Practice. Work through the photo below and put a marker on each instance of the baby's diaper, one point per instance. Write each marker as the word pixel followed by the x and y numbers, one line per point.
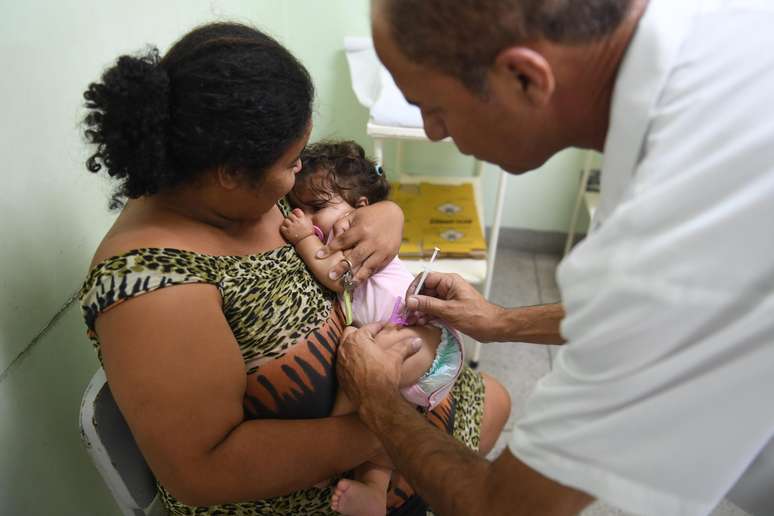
pixel 437 382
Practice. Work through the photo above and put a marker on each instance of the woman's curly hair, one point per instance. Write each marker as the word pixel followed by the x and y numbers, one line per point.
pixel 225 95
pixel 346 171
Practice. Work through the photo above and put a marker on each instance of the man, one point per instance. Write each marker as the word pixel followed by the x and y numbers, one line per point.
pixel 660 400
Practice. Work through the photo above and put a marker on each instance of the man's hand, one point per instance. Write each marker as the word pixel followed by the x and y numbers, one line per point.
pixel 370 360
pixel 451 298
pixel 369 237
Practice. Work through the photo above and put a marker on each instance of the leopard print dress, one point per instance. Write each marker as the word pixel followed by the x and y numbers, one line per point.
pixel 287 327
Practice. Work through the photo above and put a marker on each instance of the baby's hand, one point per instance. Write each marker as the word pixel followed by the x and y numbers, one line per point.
pixel 296 227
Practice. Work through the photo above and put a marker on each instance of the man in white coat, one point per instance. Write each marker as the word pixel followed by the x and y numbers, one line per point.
pixel 662 396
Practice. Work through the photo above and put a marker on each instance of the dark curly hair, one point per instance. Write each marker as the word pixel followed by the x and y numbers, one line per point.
pixel 225 95
pixel 462 38
pixel 347 171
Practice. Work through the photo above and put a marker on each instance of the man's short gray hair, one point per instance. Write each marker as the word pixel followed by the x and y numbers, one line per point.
pixel 462 38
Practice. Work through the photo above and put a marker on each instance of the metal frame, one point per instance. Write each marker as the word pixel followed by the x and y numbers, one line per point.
pixel 380 133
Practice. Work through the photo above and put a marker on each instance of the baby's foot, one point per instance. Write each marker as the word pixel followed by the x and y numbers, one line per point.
pixel 353 498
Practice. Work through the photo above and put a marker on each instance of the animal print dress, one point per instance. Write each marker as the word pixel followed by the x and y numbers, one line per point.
pixel 288 328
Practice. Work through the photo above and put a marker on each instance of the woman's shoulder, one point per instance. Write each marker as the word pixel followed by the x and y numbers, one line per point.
pixel 123 242
pixel 150 250
pixel 141 254
pixel 140 228
pixel 132 261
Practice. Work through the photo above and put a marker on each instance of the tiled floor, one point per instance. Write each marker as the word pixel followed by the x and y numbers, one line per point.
pixel 528 279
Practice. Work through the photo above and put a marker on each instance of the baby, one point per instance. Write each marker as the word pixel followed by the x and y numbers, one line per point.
pixel 335 179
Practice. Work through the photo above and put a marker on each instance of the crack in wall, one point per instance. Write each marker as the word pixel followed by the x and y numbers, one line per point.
pixel 24 353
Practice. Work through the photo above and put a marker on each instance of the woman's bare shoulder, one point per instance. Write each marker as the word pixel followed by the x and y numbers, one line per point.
pixel 141 226
pixel 129 233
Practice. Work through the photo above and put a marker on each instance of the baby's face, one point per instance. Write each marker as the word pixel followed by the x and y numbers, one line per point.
pixel 323 211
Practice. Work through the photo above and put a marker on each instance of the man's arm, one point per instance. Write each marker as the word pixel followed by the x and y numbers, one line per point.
pixel 537 324
pixel 456 481
pixel 454 300
pixel 453 479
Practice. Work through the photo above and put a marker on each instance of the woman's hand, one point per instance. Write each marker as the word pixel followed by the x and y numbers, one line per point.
pixel 369 237
pixel 456 302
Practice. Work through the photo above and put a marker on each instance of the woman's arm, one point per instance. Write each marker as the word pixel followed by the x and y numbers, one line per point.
pixel 178 377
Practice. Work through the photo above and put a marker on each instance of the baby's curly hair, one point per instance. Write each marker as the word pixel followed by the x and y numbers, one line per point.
pixel 225 95
pixel 347 170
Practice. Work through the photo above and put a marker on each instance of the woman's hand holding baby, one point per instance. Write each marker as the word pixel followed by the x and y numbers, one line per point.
pixel 296 227
pixel 370 238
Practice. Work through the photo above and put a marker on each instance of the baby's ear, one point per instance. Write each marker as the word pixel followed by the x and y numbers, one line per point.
pixel 361 202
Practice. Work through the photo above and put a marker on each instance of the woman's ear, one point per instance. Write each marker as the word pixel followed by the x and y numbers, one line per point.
pixel 523 71
pixel 361 202
pixel 227 178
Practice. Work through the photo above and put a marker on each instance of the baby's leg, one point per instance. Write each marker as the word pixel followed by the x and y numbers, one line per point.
pixel 366 495
pixel 413 368
pixel 417 365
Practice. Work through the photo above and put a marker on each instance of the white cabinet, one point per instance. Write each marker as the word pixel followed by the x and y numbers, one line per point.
pixel 476 271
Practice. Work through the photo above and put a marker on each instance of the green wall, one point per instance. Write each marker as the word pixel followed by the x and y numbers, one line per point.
pixel 53 213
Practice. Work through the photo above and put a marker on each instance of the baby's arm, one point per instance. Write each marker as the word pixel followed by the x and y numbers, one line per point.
pixel 297 229
pixel 413 368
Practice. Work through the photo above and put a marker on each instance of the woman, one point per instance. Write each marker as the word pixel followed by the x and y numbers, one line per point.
pixel 217 342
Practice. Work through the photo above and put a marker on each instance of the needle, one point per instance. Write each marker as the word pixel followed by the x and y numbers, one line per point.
pixel 425 271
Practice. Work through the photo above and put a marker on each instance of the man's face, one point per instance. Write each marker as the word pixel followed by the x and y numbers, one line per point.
pixel 506 130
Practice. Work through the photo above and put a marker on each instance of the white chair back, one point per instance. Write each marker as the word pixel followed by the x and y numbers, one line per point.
pixel 110 444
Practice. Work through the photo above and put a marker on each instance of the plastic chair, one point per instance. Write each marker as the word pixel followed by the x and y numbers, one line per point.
pixel 111 446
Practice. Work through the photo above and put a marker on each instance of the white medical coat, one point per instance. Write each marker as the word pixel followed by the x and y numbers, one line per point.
pixel 664 393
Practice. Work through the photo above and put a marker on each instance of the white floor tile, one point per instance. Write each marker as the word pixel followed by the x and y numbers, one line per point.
pixel 725 508
pixel 518 367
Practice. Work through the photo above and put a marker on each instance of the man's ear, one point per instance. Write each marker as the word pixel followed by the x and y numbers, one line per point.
pixel 361 202
pixel 523 70
pixel 228 178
